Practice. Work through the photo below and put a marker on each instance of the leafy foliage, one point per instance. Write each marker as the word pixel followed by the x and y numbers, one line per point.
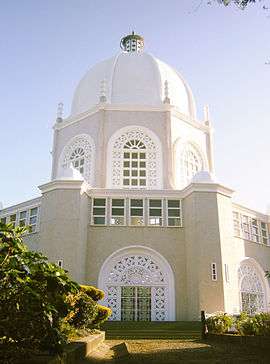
pixel 219 323
pixel 253 325
pixel 103 314
pixel 39 303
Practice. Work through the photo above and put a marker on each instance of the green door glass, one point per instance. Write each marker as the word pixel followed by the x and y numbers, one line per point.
pixel 135 303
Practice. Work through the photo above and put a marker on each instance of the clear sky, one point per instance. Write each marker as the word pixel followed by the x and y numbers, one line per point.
pixel 47 46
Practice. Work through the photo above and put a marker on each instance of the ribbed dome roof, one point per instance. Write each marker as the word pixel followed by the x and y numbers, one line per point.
pixel 134 78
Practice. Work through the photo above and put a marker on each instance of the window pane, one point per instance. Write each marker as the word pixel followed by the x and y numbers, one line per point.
pixel 99 220
pixel 118 202
pixel 136 221
pixel 126 173
pixel 34 211
pixel 3 220
pixel 142 182
pixel 23 215
pixel 155 203
pixel 173 203
pixel 12 217
pixel 117 221
pixel 98 211
pixel 136 212
pixel 134 182
pixel 117 212
pixel 99 201
pixel 174 221
pixel 136 203
pixel 155 212
pixel 33 220
pixel 173 212
pixel 126 182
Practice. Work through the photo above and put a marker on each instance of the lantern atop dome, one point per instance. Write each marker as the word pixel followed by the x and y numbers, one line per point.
pixel 132 43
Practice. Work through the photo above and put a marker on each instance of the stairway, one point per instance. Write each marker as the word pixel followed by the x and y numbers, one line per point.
pixel 121 330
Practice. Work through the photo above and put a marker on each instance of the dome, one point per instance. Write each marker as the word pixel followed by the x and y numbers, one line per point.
pixel 134 78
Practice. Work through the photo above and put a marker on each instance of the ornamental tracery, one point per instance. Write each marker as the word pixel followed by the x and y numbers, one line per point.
pixel 137 270
pixel 252 295
pixel 79 153
pixel 135 160
pixel 191 162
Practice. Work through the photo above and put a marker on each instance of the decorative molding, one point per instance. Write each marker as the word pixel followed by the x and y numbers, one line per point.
pixel 82 146
pixel 61 185
pixel 151 147
pixel 139 266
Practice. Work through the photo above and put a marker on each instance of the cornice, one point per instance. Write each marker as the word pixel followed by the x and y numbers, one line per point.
pixel 131 108
pixel 208 187
pixel 22 205
pixel 247 210
pixel 61 185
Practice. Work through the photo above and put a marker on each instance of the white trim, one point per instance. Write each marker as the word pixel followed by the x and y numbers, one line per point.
pixel 160 261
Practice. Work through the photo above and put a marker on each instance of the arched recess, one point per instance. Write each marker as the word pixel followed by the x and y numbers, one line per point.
pixel 254 290
pixel 138 266
pixel 188 160
pixel 80 153
pixel 134 159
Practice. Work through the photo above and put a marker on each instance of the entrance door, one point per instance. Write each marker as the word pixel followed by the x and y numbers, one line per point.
pixel 135 303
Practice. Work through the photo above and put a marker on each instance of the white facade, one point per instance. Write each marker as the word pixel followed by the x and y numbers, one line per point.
pixel 133 205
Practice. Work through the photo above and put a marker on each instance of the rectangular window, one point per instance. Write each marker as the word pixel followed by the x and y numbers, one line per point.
pixel 255 235
pixel 246 227
pixel 33 216
pixel 174 213
pixel 227 277
pixel 264 233
pixel 60 263
pixel 117 211
pixel 236 223
pixel 99 211
pixel 136 212
pixel 3 220
pixel 155 213
pixel 12 219
pixel 214 271
pixel 22 218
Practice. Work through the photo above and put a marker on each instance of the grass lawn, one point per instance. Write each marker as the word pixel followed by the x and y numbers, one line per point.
pixel 168 343
pixel 174 352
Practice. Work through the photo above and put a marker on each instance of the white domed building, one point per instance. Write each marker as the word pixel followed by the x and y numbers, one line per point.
pixel 133 205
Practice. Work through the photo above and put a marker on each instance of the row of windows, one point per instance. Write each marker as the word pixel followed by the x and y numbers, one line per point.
pixel 136 212
pixel 23 218
pixel 250 228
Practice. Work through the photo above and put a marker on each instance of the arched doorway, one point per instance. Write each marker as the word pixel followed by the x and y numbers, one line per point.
pixel 253 287
pixel 139 285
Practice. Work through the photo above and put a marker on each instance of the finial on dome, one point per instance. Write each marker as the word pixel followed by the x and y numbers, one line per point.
pixel 60 109
pixel 102 96
pixel 166 93
pixel 132 43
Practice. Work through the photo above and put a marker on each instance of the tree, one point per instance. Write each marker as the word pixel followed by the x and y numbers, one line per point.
pixel 38 300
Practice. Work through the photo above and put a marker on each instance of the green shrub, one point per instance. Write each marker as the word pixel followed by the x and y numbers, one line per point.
pixel 219 323
pixel 93 292
pixel 247 325
pixel 103 314
pixel 39 303
pixel 263 321
pixel 83 310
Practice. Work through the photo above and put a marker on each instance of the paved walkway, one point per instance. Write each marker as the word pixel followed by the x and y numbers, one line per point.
pixel 173 352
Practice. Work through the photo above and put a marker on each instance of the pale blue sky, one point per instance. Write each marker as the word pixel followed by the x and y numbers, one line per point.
pixel 47 46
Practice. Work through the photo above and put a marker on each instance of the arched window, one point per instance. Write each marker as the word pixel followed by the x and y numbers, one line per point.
pixel 135 160
pixel 77 159
pixel 79 152
pixel 190 162
pixel 138 285
pixel 134 164
pixel 252 293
